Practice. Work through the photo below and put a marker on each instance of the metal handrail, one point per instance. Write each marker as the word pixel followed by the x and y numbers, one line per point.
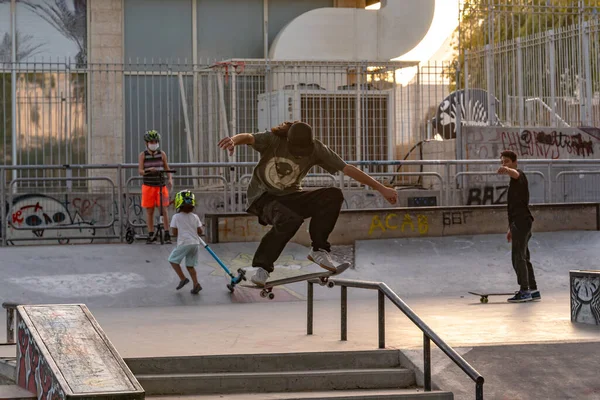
pixel 10 322
pixel 428 334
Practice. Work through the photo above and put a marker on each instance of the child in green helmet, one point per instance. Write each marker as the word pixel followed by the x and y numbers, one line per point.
pixel 186 226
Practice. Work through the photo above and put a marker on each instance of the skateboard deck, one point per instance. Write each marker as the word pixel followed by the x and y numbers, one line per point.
pixel 484 296
pixel 267 289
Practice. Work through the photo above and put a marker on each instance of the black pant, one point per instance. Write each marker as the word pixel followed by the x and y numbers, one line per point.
pixel 521 233
pixel 287 213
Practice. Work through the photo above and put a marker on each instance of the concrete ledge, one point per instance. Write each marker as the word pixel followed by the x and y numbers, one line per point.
pixel 388 223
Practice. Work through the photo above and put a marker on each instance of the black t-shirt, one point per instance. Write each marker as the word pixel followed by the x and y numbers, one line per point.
pixel 518 199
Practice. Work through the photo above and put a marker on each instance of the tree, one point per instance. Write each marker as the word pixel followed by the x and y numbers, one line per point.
pixel 500 22
pixel 72 24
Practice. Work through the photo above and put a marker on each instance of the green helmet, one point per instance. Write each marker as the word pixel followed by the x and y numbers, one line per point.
pixel 184 197
pixel 151 136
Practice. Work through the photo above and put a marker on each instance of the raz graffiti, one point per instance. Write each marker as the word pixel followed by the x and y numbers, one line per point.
pixel 418 223
pixel 488 195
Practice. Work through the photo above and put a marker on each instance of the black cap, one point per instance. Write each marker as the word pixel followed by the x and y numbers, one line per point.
pixel 300 139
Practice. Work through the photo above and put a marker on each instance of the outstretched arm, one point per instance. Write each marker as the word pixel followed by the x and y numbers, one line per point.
pixel 388 193
pixel 229 143
pixel 513 173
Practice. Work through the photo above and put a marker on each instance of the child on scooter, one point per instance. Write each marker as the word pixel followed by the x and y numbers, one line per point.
pixel 187 227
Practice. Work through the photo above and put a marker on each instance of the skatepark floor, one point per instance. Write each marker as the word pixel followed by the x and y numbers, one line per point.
pixel 525 351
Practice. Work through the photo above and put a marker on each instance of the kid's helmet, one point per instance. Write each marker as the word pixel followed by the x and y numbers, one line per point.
pixel 184 197
pixel 151 136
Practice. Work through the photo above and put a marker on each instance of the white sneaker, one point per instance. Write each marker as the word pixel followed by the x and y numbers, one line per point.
pixel 260 277
pixel 323 259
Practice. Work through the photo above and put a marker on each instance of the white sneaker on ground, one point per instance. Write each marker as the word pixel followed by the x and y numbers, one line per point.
pixel 260 277
pixel 323 259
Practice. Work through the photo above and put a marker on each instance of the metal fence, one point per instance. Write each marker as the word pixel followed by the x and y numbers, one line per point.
pixel 82 206
pixel 57 112
pixel 539 60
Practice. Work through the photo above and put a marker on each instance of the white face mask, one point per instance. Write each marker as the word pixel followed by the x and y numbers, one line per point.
pixel 153 147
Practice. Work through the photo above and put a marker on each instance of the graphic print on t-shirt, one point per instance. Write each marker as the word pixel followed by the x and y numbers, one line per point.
pixel 281 172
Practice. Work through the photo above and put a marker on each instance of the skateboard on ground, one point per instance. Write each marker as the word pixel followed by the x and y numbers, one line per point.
pixel 484 296
pixel 267 289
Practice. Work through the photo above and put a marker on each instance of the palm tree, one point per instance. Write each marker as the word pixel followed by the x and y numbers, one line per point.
pixel 24 48
pixel 72 24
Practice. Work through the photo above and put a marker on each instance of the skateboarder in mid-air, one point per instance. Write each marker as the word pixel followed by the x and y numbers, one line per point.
pixel 275 196
pixel 520 222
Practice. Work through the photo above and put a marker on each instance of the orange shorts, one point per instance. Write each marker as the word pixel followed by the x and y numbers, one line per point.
pixel 150 197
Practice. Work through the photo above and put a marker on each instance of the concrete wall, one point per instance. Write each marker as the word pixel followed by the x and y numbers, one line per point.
pixel 412 222
pixel 532 143
pixel 438 150
pixel 106 110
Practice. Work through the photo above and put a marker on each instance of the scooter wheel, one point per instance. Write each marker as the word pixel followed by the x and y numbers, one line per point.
pixel 129 236
pixel 231 288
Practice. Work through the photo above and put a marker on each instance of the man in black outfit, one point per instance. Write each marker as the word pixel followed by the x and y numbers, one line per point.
pixel 520 222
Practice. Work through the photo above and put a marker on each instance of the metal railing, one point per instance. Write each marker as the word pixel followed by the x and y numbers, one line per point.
pixel 10 322
pixel 85 203
pixel 429 335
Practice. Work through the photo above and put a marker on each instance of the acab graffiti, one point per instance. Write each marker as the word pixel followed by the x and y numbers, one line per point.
pixel 390 222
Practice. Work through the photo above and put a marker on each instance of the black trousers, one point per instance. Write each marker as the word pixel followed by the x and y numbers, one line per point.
pixel 287 213
pixel 521 233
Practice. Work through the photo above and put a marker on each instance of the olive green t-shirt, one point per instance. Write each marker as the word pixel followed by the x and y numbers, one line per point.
pixel 278 172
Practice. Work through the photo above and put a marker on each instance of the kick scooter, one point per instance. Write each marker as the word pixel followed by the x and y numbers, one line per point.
pixel 234 279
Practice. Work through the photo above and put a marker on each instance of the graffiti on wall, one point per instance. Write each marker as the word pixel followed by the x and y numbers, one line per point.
pixel 30 216
pixel 487 195
pixel 585 299
pixel 551 144
pixel 33 372
pixel 391 221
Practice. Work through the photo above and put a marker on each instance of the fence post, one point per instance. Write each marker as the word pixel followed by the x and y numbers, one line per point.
pixel 344 313
pixel 426 363
pixel 520 83
pixel 489 58
pixel 458 120
pixel 552 66
pixel 309 310
pixel 381 315
pixel 586 100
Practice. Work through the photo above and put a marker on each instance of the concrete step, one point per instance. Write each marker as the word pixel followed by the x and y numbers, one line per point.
pixel 390 394
pixel 251 382
pixel 276 362
pixel 14 392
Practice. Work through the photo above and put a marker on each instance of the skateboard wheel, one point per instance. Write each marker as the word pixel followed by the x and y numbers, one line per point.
pixel 330 284
pixel 231 288
pixel 271 296
pixel 263 293
pixel 484 299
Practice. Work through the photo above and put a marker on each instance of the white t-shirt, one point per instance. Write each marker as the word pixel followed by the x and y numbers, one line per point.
pixel 187 225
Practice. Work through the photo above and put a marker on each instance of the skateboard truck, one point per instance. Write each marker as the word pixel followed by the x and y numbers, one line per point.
pixel 241 276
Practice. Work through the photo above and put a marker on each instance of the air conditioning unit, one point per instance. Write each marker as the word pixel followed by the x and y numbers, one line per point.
pixel 340 118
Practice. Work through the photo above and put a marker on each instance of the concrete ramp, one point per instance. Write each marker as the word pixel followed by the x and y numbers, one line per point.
pixel 454 265
pixel 63 353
